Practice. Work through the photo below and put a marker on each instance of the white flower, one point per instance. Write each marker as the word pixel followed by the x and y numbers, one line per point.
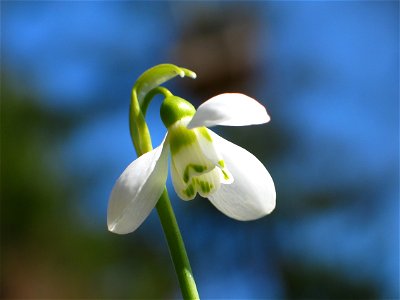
pixel 233 179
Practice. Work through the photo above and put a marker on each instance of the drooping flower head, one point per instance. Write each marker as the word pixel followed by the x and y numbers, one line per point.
pixel 202 162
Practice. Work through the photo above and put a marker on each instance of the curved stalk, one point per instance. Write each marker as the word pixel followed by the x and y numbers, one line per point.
pixel 142 143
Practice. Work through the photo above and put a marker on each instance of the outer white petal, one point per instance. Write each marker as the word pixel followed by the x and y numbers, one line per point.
pixel 137 190
pixel 252 195
pixel 230 109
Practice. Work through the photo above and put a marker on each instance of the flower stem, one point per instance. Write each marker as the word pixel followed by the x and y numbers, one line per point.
pixel 150 95
pixel 176 247
pixel 142 143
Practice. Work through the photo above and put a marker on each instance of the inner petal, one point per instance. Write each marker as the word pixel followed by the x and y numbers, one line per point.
pixel 196 166
pixel 206 184
pixel 181 188
pixel 189 158
pixel 210 150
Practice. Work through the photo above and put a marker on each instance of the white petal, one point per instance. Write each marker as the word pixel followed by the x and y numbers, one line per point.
pixel 209 150
pixel 252 195
pixel 230 109
pixel 137 190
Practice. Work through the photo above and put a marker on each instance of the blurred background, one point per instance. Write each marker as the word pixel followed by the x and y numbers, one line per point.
pixel 328 74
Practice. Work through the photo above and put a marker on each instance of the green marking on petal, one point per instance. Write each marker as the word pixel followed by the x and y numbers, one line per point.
pixel 205 186
pixel 189 192
pixel 199 168
pixel 196 168
pixel 226 176
pixel 204 132
pixel 221 163
pixel 179 137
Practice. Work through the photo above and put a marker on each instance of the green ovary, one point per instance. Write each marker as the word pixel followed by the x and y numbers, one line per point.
pixel 174 109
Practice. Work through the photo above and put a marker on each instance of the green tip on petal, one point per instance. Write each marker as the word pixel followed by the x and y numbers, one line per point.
pixel 174 109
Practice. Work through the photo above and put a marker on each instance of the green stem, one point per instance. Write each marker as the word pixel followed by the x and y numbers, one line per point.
pixel 142 142
pixel 176 247
pixel 158 90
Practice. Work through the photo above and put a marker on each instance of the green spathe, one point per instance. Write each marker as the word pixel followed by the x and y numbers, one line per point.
pixel 156 76
pixel 174 109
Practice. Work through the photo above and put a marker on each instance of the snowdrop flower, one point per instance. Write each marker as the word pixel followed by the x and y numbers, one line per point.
pixel 202 162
